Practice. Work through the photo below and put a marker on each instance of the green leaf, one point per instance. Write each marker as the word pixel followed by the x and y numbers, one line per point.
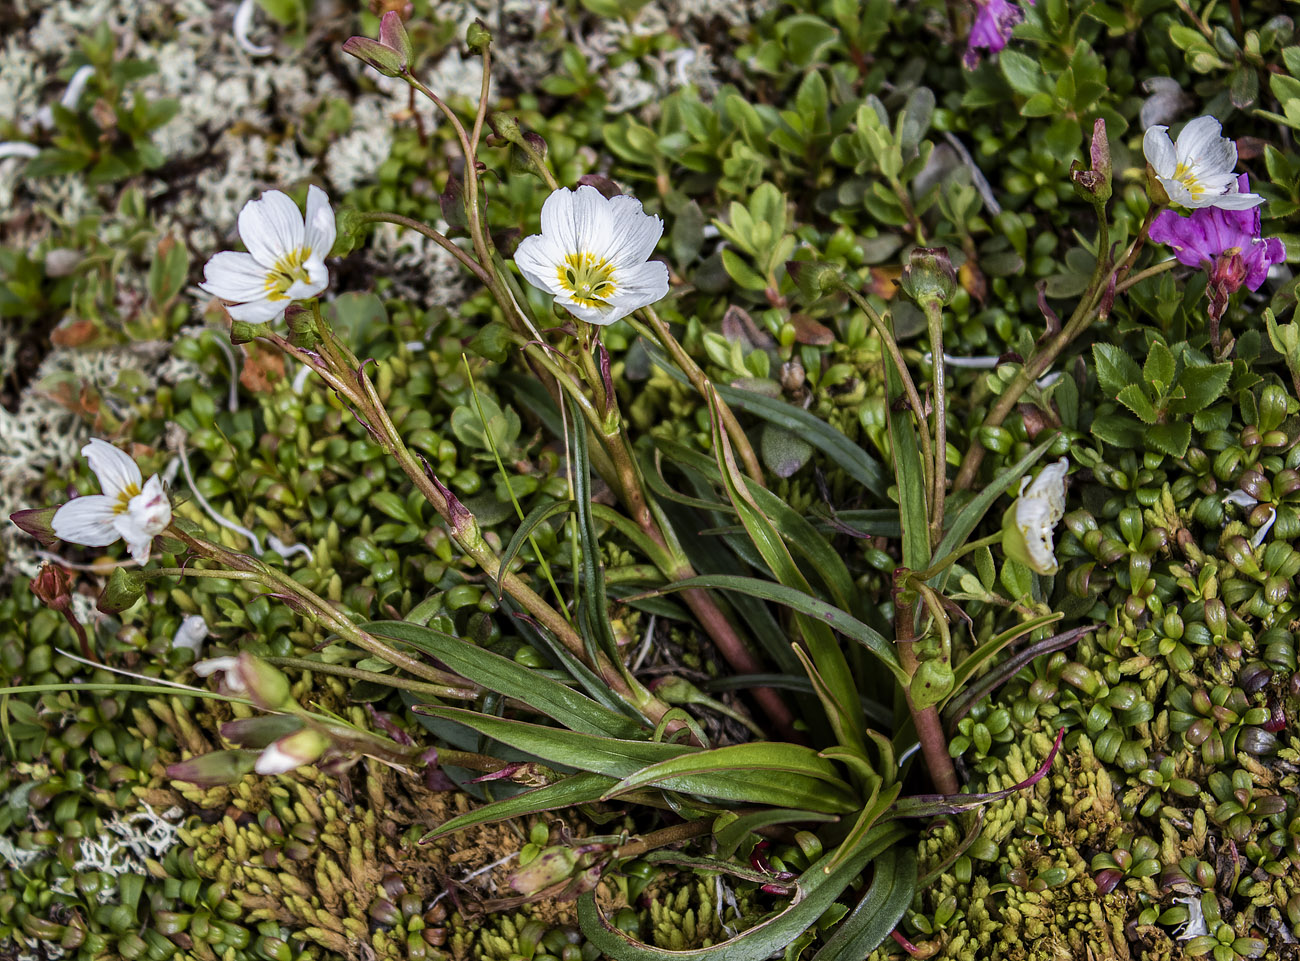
pixel 739 271
pixel 168 271
pixel 1203 386
pixel 729 836
pixel 1172 439
pixel 1022 72
pixel 1133 397
pixel 505 676
pixel 1158 371
pixel 779 757
pixel 620 759
pixel 1115 368
pixel 816 890
pixel 572 790
pixel 909 473
pixel 1118 430
pixel 844 713
pixel 848 456
pixel 841 621
pixel 893 884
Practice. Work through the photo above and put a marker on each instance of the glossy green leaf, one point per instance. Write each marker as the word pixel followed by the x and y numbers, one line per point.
pixel 893 884
pixel 575 789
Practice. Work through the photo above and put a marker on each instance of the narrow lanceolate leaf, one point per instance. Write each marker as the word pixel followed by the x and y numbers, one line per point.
pixel 535 519
pixel 931 805
pixel 800 536
pixel 593 614
pixel 804 603
pixel 574 789
pixel 985 653
pixel 621 759
pixel 562 704
pixel 815 891
pixel 730 835
pixel 875 808
pixel 893 883
pixel 909 473
pixel 848 456
pixel 843 708
pixel 770 761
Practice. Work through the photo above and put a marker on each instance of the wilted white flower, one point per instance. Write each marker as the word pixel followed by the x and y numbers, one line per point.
pixel 1198 170
pixel 593 255
pixel 291 752
pixel 129 508
pixel 285 260
pixel 243 24
pixel 227 666
pixel 1029 523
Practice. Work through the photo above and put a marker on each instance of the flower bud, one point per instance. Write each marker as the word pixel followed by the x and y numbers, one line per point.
pixel 266 686
pixel 292 752
pixel 38 522
pixel 814 278
pixel 1094 184
pixel 215 769
pixel 242 332
pixel 52 587
pixel 124 589
pixel 392 34
pixel 477 37
pixel 929 277
pixel 373 53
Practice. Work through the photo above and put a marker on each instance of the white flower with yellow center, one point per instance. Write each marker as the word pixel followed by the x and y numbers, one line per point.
pixel 593 255
pixel 285 260
pixel 1029 523
pixel 1198 171
pixel 129 508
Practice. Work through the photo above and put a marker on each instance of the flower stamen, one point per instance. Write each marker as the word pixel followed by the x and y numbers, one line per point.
pixel 589 279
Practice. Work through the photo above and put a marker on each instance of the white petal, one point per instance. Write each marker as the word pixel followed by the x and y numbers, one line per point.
pixel 1202 142
pixel 86 520
pixel 243 21
pixel 274 761
pixel 214 664
pixel 192 633
pixel 320 228
pixel 234 276
pixel 1235 201
pixel 151 509
pixel 593 221
pixel 638 287
pixel 318 278
pixel 1049 486
pixel 538 258
pixel 271 227
pixel 113 466
pixel 557 220
pixel 1179 194
pixel 1159 151
pixel 633 232
pixel 600 316
pixel 258 311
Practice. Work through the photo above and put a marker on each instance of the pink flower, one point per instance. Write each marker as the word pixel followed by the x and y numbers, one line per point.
pixel 992 28
pixel 1226 242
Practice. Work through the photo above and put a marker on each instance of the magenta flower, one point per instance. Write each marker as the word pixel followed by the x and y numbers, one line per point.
pixel 1226 243
pixel 993 25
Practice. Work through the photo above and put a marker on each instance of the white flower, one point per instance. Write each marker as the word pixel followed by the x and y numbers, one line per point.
pixel 229 666
pixel 291 752
pixel 1028 525
pixel 285 260
pixel 191 634
pixel 129 508
pixel 243 24
pixel 593 255
pixel 1198 171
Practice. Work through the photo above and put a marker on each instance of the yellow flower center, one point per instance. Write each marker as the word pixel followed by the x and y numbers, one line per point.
pixel 288 270
pixel 1185 173
pixel 588 279
pixel 124 498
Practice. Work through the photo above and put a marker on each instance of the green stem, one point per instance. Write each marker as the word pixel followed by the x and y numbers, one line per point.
pixel 946 562
pixel 909 386
pixel 388 680
pixel 929 728
pixel 934 320
pixel 472 265
pixel 699 380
